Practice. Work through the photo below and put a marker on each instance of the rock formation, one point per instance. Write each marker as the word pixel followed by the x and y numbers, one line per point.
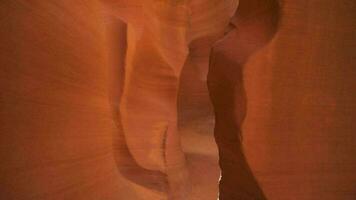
pixel 118 99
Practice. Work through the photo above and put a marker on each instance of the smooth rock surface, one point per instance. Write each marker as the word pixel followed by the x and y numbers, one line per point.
pixel 146 99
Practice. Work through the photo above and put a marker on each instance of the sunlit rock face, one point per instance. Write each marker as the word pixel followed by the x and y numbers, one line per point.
pixel 161 99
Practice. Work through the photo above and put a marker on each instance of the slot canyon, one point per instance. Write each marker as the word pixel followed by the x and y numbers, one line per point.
pixel 177 100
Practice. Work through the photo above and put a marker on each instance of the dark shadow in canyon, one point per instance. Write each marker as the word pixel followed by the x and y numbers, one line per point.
pixel 255 24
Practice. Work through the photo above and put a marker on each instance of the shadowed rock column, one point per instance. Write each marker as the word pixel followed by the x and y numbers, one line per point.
pixel 255 23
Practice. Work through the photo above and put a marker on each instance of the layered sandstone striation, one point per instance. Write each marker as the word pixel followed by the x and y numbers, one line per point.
pixel 151 99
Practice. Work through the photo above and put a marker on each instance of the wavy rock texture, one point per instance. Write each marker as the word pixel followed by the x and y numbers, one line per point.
pixel 116 99
pixel 299 135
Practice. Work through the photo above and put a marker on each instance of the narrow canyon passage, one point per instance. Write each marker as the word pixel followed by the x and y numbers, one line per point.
pixel 153 76
pixel 155 99
pixel 196 128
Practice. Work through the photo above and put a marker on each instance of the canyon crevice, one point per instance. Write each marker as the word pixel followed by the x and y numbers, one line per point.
pixel 156 99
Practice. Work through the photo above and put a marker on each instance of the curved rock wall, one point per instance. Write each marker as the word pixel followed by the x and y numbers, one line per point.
pixel 109 99
pixel 299 135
